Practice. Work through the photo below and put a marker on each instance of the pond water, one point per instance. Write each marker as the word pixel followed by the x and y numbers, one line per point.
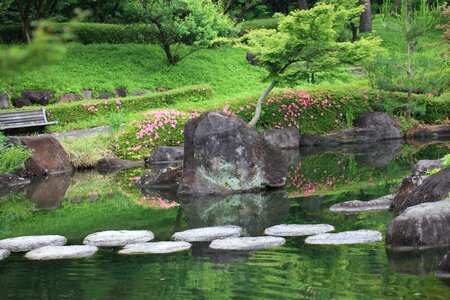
pixel 77 205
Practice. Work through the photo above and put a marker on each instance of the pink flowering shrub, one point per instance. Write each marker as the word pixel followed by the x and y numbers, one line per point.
pixel 157 128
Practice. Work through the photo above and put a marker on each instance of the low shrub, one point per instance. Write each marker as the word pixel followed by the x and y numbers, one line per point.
pixel 12 157
pixel 268 23
pixel 76 111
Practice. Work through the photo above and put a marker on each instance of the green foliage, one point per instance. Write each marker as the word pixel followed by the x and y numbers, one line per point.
pixel 12 157
pixel 268 23
pixel 15 207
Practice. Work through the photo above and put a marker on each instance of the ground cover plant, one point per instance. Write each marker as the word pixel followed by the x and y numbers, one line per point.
pixel 12 157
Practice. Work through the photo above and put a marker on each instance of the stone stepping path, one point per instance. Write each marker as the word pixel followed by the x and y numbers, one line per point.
pixel 247 243
pixel 155 248
pixel 355 206
pixel 116 238
pixel 298 229
pixel 4 253
pixel 345 238
pixel 27 243
pixel 208 234
pixel 61 252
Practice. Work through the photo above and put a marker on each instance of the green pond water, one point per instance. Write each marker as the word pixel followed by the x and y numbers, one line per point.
pixel 77 205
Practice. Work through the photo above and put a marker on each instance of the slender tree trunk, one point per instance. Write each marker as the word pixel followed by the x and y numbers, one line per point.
pixel 170 59
pixel 27 31
pixel 365 20
pixel 302 4
pixel 259 104
pixel 408 73
pixel 354 32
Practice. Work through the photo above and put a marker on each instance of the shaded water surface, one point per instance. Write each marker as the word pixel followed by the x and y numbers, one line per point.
pixel 88 202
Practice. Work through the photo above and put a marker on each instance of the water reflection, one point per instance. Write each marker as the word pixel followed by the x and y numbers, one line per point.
pixel 48 192
pixel 416 262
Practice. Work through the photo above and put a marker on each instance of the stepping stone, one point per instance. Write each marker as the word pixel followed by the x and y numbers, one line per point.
pixel 61 252
pixel 27 243
pixel 208 234
pixel 4 253
pixel 115 238
pixel 298 229
pixel 247 243
pixel 355 206
pixel 155 248
pixel 345 238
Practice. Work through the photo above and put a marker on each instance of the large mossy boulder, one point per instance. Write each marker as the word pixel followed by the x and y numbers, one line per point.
pixel 433 188
pixel 421 226
pixel 223 155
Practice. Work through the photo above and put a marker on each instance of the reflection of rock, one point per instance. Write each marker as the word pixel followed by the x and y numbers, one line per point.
pixel 415 262
pixel 47 192
pixel 221 257
pixel 291 157
pixel 253 212
pixel 11 182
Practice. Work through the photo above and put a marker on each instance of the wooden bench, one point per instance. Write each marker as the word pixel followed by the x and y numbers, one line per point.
pixel 24 119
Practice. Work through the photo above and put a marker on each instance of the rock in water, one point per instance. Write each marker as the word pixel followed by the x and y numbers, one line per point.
pixel 61 252
pixel 208 234
pixel 286 138
pixel 155 248
pixel 4 253
pixel 354 206
pixel 167 178
pixel 298 229
pixel 433 188
pixel 115 238
pixel 247 243
pixel 345 238
pixel 109 165
pixel 421 226
pixel 166 154
pixel 27 243
pixel 223 155
pixel 443 270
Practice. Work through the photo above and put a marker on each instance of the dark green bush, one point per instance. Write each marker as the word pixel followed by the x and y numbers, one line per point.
pixel 77 111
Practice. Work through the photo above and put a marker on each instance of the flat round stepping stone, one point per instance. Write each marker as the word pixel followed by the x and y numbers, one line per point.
pixel 298 229
pixel 247 243
pixel 116 238
pixel 155 248
pixel 61 252
pixel 354 206
pixel 4 253
pixel 345 238
pixel 27 243
pixel 208 234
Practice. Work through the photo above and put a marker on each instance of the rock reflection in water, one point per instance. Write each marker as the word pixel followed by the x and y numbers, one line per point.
pixel 416 262
pixel 221 257
pixel 47 192
pixel 253 212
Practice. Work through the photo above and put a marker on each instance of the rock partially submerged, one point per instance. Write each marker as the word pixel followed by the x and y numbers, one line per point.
pixel 61 252
pixel 286 138
pixel 345 238
pixel 108 165
pixel 208 234
pixel 443 271
pixel 422 166
pixel 166 178
pixel 27 243
pixel 354 206
pixel 166 154
pixel 4 253
pixel 155 248
pixel 247 243
pixel 421 226
pixel 433 188
pixel 115 238
pixel 298 229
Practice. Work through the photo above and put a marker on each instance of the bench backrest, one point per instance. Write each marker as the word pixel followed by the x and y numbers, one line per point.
pixel 25 118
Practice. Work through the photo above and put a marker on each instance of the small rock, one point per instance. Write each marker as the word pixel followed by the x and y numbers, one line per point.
pixel 345 238
pixel 155 248
pixel 166 154
pixel 27 243
pixel 298 229
pixel 422 166
pixel 67 98
pixel 105 96
pixel 121 92
pixel 167 178
pixel 252 59
pixel 141 92
pixel 4 101
pixel 108 165
pixel 4 253
pixel 208 234
pixel 61 252
pixel 355 206
pixel 40 97
pixel 115 238
pixel 247 243
pixel 286 138
pixel 87 94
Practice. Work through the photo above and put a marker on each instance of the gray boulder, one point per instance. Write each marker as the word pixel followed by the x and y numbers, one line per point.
pixel 345 238
pixel 4 253
pixel 105 95
pixel 247 243
pixel 354 206
pixel 298 229
pixel 166 154
pixel 109 165
pixel 386 128
pixel 4 101
pixel 223 155
pixel 422 166
pixel 27 243
pixel 87 94
pixel 61 252
pixel 286 138
pixel 208 234
pixel 421 226
pixel 433 188
pixel 167 178
pixel 40 97
pixel 115 238
pixel 156 248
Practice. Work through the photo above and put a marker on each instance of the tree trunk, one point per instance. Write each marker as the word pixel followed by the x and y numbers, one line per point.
pixel 408 73
pixel 170 59
pixel 26 31
pixel 365 20
pixel 354 32
pixel 302 4
pixel 259 104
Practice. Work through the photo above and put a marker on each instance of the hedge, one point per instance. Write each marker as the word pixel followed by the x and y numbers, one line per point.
pixel 66 113
pixel 90 33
